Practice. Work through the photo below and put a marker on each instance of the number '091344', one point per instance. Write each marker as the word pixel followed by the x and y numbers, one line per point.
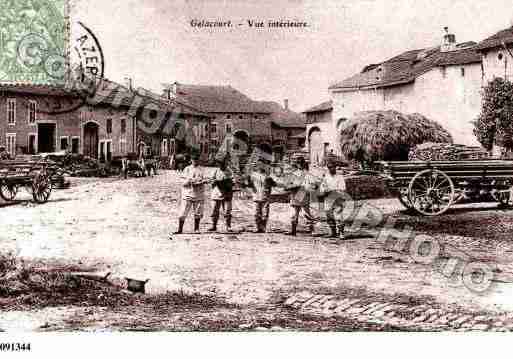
pixel 14 347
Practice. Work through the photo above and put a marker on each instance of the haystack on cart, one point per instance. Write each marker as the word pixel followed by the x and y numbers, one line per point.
pixel 31 175
pixel 431 187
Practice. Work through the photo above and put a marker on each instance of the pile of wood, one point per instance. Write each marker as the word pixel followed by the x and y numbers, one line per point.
pixel 430 151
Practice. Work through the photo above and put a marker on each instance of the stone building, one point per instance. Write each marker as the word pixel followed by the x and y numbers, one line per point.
pixel 442 82
pixel 497 55
pixel 254 123
pixel 43 118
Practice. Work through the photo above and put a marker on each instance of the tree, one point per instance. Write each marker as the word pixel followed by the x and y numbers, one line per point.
pixel 495 122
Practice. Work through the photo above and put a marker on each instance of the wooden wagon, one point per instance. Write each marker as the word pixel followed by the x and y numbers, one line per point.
pixel 31 175
pixel 431 187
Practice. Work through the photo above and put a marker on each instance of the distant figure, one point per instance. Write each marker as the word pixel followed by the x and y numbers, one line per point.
pixel 331 191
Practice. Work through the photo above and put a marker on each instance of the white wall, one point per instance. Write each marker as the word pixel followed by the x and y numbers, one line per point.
pixel 449 98
pixel 495 67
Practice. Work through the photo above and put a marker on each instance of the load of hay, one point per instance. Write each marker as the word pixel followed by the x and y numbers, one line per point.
pixel 447 152
pixel 387 135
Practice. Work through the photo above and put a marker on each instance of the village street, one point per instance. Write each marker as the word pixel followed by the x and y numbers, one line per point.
pixel 124 226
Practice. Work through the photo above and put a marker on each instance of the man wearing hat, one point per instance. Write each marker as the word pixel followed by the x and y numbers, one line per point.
pixel 262 185
pixel 222 193
pixel 193 193
pixel 302 183
pixel 4 155
pixel 332 189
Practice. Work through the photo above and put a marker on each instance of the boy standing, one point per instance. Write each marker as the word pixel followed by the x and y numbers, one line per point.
pixel 193 194
pixel 222 194
pixel 262 185
pixel 331 189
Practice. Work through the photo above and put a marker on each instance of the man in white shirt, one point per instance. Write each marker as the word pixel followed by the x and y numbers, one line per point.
pixel 193 193
pixel 332 190
pixel 262 185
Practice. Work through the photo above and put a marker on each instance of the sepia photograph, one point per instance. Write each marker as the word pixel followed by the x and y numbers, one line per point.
pixel 251 167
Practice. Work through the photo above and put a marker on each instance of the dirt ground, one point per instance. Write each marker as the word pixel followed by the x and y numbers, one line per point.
pixel 124 226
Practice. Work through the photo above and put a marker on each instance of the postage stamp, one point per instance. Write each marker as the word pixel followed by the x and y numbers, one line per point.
pixel 33 35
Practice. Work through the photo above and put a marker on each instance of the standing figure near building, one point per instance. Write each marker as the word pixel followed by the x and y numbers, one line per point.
pixel 193 194
pixel 222 194
pixel 301 187
pixel 261 184
pixel 332 191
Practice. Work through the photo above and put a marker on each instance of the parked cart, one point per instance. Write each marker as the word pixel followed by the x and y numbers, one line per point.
pixel 431 187
pixel 32 175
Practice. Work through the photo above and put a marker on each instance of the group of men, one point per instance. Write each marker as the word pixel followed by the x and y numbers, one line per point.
pixel 300 183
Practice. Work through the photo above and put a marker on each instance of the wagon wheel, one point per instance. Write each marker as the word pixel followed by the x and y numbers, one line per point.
pixel 8 191
pixel 41 187
pixel 431 192
pixel 402 195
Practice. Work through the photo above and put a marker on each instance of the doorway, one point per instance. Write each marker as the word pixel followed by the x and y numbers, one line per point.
pixel 46 137
pixel 91 140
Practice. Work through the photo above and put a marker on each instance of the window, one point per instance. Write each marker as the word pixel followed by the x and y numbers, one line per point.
pixel 500 56
pixel 123 125
pixel 75 145
pixel 32 112
pixel 228 117
pixel 444 71
pixel 164 148
pixel 64 143
pixel 11 143
pixel 201 147
pixel 11 111
pixel 240 117
pixel 214 144
pixel 462 72
pixel 213 128
pixel 32 144
pixel 109 125
pixel 122 145
pixel 228 128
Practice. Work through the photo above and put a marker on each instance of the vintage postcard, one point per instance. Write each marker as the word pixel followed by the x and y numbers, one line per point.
pixel 255 167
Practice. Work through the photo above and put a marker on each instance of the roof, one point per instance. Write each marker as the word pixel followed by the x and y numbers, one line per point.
pixel 504 36
pixel 114 94
pixel 283 117
pixel 325 106
pixel 409 65
pixel 37 89
pixel 217 99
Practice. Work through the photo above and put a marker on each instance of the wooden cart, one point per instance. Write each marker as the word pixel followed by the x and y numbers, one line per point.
pixel 431 187
pixel 31 175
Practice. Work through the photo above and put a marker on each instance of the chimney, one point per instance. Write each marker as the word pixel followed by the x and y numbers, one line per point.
pixel 286 103
pixel 128 83
pixel 448 41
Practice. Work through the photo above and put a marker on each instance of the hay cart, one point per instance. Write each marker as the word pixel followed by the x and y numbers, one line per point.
pixel 431 187
pixel 32 175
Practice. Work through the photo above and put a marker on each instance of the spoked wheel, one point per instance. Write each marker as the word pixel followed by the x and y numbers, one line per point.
pixel 41 188
pixel 402 195
pixel 8 192
pixel 431 192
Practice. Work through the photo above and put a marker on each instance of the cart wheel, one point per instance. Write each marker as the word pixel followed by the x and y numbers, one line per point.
pixel 8 191
pixel 41 188
pixel 431 192
pixel 402 195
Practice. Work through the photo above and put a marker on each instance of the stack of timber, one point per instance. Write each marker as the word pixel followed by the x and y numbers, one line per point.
pixel 447 152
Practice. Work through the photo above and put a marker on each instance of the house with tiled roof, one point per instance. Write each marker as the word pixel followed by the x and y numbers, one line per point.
pixel 233 113
pixel 441 82
pixel 112 121
pixel 497 55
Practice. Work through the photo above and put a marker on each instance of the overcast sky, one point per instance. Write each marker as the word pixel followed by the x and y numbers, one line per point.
pixel 152 40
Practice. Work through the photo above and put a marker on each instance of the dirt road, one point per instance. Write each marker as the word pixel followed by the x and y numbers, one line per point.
pixel 123 226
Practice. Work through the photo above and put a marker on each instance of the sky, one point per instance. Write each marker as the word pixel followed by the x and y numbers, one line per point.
pixel 152 41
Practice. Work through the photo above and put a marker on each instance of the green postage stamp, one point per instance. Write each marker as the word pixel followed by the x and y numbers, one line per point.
pixel 33 38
